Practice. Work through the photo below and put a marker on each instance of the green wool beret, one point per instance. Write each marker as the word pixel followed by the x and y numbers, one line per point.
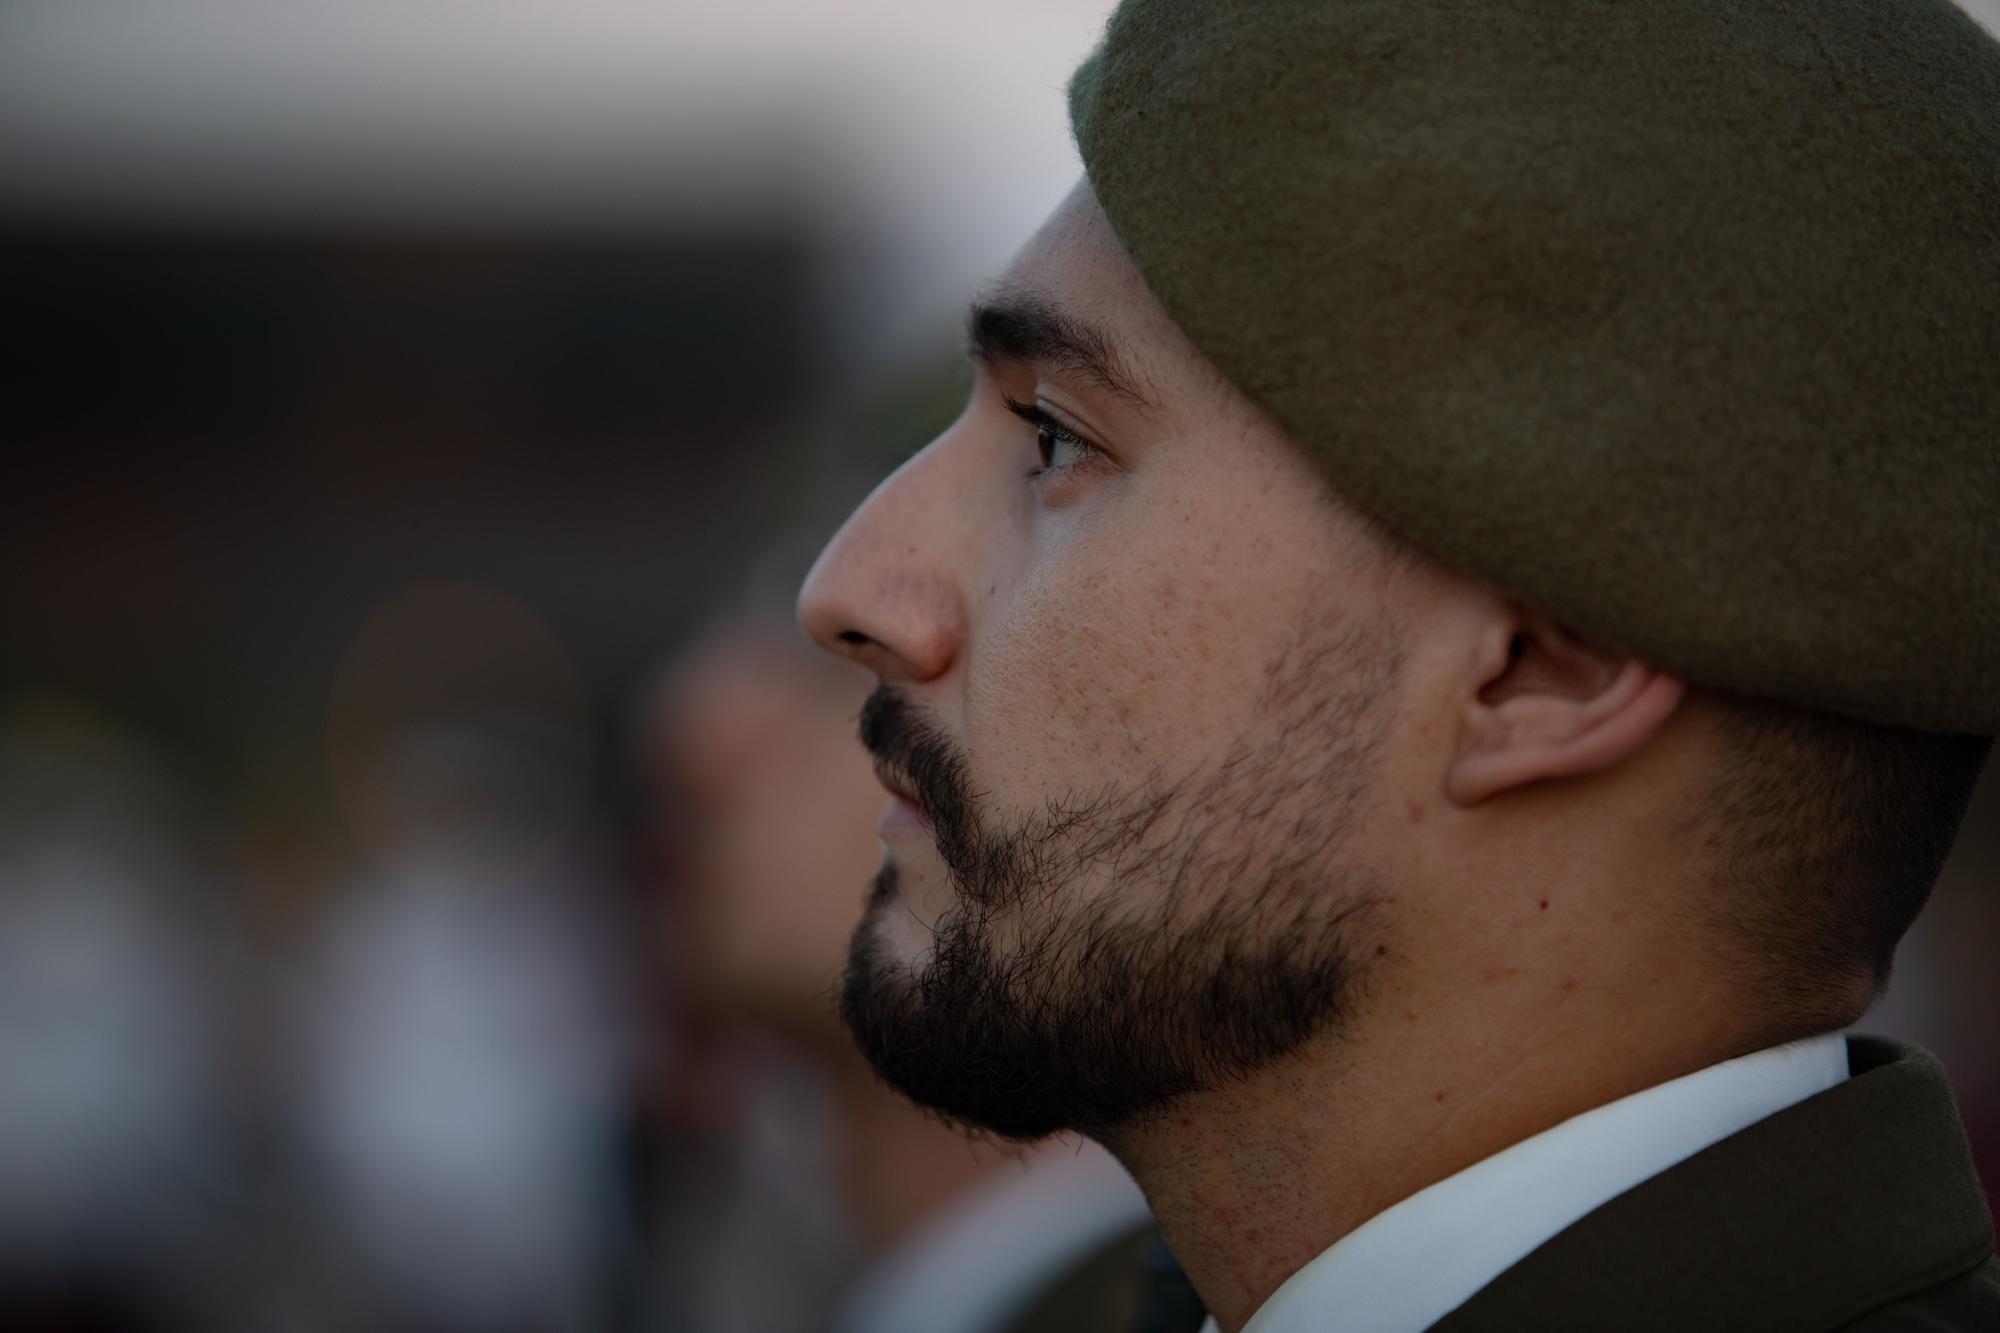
pixel 1677 319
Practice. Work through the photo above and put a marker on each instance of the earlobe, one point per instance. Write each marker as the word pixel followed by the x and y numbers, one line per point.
pixel 1547 705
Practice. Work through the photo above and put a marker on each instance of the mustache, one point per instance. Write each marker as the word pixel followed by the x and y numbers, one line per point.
pixel 913 750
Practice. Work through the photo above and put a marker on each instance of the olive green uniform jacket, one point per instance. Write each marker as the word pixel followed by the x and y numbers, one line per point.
pixel 1856 1209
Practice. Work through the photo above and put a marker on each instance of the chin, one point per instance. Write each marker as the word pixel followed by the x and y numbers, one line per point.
pixel 912 1026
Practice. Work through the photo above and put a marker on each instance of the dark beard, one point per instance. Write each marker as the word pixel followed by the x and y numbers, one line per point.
pixel 1099 1015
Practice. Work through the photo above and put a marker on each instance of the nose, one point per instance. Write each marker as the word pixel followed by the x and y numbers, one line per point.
pixel 887 591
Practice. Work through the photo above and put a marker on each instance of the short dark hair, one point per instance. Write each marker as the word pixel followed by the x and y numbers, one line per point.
pixel 1829 835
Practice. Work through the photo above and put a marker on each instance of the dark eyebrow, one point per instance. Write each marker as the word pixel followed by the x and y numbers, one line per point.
pixel 1032 330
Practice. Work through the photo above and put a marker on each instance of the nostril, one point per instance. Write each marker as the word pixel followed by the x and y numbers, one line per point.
pixel 853 637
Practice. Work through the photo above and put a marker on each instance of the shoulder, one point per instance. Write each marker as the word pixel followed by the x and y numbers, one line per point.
pixel 1970 1300
pixel 1856 1209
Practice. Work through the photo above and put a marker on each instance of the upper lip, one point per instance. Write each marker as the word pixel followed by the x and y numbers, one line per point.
pixel 895 785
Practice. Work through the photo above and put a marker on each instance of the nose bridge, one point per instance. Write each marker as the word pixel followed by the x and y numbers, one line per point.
pixel 888 589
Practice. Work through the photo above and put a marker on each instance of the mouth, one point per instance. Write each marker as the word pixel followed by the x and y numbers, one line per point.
pixel 906 810
pixel 895 786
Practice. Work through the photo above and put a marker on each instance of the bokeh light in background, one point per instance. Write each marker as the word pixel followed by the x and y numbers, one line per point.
pixel 390 390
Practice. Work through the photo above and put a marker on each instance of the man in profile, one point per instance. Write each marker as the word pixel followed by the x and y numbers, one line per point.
pixel 1449 643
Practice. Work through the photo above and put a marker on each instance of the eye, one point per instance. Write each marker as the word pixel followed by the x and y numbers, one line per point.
pixel 1061 448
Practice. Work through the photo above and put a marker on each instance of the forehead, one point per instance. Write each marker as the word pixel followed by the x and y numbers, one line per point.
pixel 1076 264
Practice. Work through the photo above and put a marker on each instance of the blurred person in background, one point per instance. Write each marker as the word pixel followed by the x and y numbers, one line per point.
pixel 466 1056
pixel 824 1199
pixel 1450 643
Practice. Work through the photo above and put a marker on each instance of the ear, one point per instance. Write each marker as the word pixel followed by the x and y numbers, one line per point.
pixel 1543 703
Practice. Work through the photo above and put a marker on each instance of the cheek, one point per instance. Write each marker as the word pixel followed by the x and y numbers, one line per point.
pixel 1115 655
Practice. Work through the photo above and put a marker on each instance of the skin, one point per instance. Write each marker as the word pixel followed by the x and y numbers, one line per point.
pixel 1543 943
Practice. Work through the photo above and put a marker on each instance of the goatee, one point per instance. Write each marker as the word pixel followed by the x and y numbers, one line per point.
pixel 1223 931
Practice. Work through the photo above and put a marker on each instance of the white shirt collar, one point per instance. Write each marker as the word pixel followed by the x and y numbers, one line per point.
pixel 1411 1265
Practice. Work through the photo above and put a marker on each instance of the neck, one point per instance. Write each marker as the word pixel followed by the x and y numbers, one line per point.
pixel 1252 1181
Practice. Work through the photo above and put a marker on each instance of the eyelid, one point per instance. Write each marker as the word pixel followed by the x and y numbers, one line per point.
pixel 1031 413
pixel 1038 416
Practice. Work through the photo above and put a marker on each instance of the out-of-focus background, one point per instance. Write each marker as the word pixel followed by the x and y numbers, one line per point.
pixel 416 418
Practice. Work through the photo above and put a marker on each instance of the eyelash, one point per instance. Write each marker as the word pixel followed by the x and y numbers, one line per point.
pixel 1046 427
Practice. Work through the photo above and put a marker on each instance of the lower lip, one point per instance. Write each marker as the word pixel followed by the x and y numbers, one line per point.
pixel 902 817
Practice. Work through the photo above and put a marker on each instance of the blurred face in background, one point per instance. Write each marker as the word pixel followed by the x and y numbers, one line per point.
pixel 770 797
pixel 1140 674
